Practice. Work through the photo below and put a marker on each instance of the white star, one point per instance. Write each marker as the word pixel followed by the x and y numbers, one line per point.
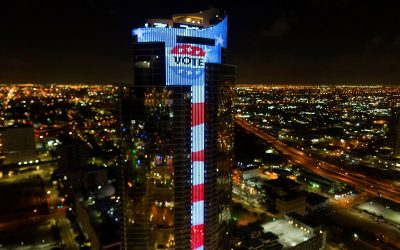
pixel 189 72
pixel 197 52
pixel 220 40
pixel 180 50
pixel 197 72
pixel 189 49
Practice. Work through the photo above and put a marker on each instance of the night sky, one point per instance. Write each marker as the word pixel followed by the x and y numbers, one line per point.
pixel 281 41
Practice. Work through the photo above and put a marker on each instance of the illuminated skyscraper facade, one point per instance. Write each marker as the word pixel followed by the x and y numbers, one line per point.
pixel 177 136
pixel 394 129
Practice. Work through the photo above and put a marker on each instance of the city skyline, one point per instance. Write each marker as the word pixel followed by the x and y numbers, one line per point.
pixel 284 42
pixel 325 153
pixel 202 125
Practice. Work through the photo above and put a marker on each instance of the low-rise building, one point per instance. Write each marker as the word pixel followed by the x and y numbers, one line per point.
pixel 315 201
pixel 98 219
pixel 298 234
pixel 17 145
pixel 291 203
pixel 283 186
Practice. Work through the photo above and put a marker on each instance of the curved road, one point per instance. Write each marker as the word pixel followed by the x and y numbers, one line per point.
pixel 372 184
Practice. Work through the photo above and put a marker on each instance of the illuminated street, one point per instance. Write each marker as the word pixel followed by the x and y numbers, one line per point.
pixel 341 212
pixel 351 218
pixel 35 214
pixel 371 184
pixel 67 234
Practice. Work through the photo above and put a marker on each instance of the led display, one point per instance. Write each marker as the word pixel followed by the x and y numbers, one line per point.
pixel 185 61
pixel 187 51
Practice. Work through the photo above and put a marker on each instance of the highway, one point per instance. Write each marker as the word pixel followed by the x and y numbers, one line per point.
pixel 67 234
pixel 372 184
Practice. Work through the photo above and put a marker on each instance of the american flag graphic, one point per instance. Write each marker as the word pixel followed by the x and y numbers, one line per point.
pixel 197 159
pixel 185 61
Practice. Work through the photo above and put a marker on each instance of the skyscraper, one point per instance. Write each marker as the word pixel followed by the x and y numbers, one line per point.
pixel 394 129
pixel 176 135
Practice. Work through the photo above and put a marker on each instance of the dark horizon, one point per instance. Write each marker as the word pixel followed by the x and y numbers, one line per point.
pixel 287 42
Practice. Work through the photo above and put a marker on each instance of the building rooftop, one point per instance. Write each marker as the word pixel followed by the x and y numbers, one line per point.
pixel 268 236
pixel 292 196
pixel 315 199
pixel 303 219
pixel 289 235
pixel 247 168
pixel 199 19
pixel 102 215
pixel 252 243
pixel 282 183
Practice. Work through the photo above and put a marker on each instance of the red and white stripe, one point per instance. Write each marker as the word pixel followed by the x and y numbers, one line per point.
pixel 197 168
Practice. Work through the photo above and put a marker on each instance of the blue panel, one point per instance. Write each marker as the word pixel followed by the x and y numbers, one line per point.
pixel 185 62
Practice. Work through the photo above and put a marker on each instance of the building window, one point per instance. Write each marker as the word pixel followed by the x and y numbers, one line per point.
pixel 142 64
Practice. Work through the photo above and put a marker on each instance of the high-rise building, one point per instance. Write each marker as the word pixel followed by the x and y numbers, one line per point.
pixel 177 135
pixel 394 129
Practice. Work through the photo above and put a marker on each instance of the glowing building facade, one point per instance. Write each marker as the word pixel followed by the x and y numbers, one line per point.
pixel 394 129
pixel 177 136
